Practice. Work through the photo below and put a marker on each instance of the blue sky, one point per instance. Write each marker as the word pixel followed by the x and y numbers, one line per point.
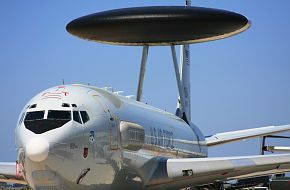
pixel 237 83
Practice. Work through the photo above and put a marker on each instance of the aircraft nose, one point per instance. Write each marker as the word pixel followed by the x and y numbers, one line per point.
pixel 37 149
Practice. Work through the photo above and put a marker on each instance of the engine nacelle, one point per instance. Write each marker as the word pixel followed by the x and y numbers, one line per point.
pixel 132 135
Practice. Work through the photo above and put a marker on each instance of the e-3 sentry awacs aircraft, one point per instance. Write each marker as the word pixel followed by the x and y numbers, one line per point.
pixel 82 137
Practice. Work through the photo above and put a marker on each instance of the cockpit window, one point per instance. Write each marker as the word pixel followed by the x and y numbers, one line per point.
pixel 35 121
pixel 66 105
pixel 76 117
pixel 33 106
pixel 35 115
pixel 85 116
pixel 59 115
pixel 22 117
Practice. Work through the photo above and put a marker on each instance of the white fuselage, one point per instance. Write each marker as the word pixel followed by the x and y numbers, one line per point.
pixel 82 137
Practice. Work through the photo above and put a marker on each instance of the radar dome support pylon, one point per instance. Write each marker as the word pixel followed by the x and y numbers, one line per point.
pixel 184 104
pixel 185 111
pixel 142 72
pixel 179 85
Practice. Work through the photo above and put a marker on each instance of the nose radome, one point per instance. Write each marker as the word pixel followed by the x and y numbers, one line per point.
pixel 37 149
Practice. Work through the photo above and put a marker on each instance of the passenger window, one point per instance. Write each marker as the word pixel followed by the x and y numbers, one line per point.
pixel 76 117
pixel 85 116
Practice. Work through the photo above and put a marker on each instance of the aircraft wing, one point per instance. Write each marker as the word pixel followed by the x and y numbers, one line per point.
pixel 179 173
pixel 222 138
pixel 8 173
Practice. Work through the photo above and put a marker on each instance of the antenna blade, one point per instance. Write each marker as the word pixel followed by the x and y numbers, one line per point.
pixel 188 2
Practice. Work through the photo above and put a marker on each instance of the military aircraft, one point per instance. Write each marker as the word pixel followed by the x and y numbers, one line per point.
pixel 83 137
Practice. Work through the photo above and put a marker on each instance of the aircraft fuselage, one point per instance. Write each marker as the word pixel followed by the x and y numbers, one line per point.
pixel 82 137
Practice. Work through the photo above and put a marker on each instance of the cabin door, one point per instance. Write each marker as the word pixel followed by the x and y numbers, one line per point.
pixel 113 126
pixel 114 132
